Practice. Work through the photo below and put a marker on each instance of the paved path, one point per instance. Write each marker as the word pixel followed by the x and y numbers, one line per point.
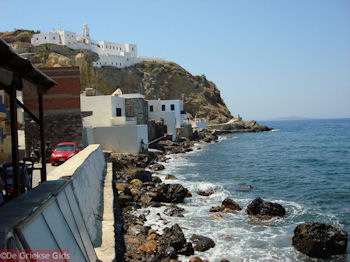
pixel 36 173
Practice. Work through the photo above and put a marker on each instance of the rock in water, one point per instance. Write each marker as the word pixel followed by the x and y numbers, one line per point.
pixel 259 207
pixel 229 203
pixel 319 240
pixel 174 211
pixel 202 243
pixel 170 193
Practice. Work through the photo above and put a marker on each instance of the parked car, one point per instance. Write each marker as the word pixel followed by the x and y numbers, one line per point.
pixel 62 152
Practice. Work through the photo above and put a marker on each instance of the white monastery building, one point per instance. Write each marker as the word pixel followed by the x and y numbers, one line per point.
pixel 110 53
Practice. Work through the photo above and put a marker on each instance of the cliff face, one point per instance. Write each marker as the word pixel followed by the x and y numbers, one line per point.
pixel 153 79
pixel 165 81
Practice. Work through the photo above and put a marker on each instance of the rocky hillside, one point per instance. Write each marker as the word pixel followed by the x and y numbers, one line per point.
pixel 155 80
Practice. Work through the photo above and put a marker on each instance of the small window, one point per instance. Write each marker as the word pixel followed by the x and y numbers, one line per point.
pixel 163 107
pixel 119 111
pixel 151 108
pixel 45 37
pixel 172 107
pixel 132 49
pixel 127 59
pixel 53 38
pixel 37 38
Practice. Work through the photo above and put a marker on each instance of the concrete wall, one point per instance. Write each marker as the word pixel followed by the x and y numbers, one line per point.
pixel 119 139
pixel 87 170
pixel 47 218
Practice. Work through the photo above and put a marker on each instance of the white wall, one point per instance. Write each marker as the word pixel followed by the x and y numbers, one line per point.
pixel 104 110
pixel 87 169
pixel 120 139
pixel 44 38
pixel 177 111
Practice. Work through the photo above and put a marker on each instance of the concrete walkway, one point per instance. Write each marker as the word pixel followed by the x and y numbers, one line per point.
pixel 106 252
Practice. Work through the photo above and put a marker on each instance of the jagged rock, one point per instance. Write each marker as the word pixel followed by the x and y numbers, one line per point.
pixel 124 200
pixel 143 175
pixel 136 182
pixel 319 240
pixel 148 247
pixel 187 250
pixel 157 167
pixel 229 203
pixel 123 188
pixel 215 209
pixel 166 252
pixel 170 193
pixel 167 177
pixel 136 230
pixel 259 207
pixel 156 179
pixel 202 243
pixel 206 192
pixel 174 211
pixel 174 237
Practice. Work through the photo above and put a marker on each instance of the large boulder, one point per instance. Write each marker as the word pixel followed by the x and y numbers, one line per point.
pixel 170 193
pixel 202 243
pixel 229 203
pixel 175 238
pixel 259 207
pixel 319 240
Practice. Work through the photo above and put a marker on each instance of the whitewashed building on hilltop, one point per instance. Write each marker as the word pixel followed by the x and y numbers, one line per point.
pixel 110 53
pixel 106 122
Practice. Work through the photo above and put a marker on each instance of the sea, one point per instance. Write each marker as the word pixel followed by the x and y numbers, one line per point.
pixel 303 165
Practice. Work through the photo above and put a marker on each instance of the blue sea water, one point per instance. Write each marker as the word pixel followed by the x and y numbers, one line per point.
pixel 303 165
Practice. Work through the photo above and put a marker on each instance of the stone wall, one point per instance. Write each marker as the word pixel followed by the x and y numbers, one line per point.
pixel 61 127
pixel 139 111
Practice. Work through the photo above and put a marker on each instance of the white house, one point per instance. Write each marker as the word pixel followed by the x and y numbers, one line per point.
pixel 170 110
pixel 105 123
pixel 110 53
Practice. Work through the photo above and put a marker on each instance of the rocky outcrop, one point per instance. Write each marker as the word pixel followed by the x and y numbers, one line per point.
pixel 319 240
pixel 263 209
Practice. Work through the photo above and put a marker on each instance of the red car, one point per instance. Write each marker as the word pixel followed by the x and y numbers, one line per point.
pixel 62 152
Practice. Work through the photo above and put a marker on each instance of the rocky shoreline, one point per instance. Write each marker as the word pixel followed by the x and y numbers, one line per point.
pixel 136 186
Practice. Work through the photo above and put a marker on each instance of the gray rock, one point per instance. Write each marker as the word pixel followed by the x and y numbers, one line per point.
pixel 259 207
pixel 319 240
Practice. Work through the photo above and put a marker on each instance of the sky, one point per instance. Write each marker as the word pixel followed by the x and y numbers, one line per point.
pixel 269 58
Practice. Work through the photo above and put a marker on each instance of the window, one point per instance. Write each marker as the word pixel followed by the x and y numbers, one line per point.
pixel 132 49
pixel 151 108
pixel 127 59
pixel 53 38
pixel 172 107
pixel 45 37
pixel 118 111
pixel 37 38
pixel 163 107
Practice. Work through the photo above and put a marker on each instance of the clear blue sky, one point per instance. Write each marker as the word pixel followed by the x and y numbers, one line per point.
pixel 269 58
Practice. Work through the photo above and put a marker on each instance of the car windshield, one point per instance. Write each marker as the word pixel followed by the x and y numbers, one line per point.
pixel 61 148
